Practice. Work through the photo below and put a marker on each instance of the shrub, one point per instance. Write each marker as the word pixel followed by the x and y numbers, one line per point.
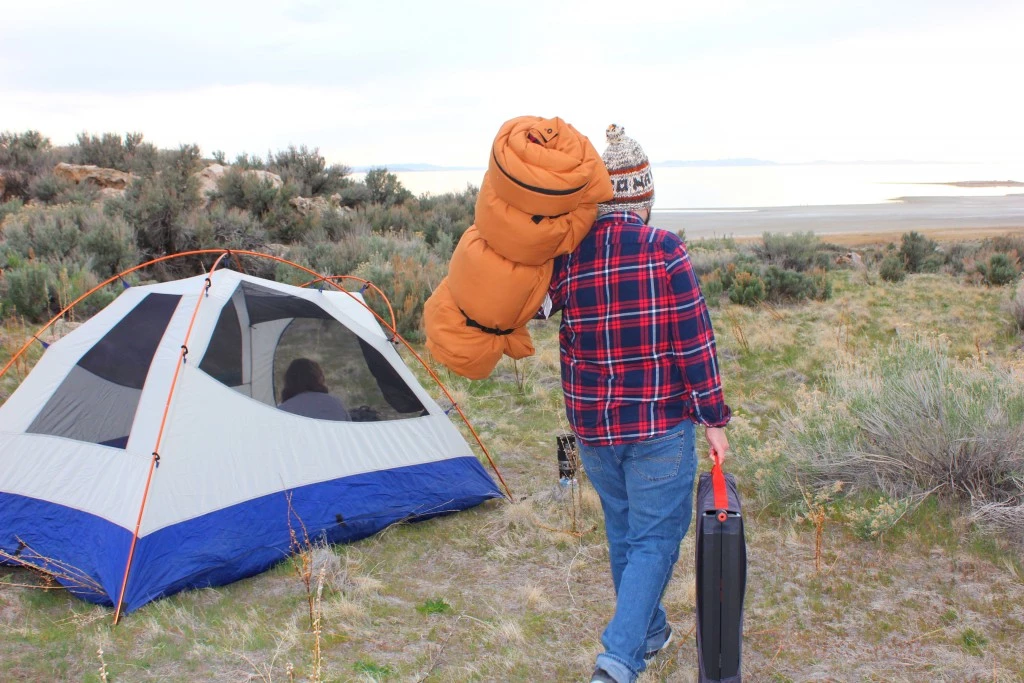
pixel 911 420
pixel 747 289
pixel 336 224
pixel 446 217
pixel 407 280
pixel 49 187
pixel 308 171
pixel 743 263
pixel 247 192
pixel 385 188
pixel 158 208
pixel 1006 244
pixel 791 286
pixel 891 269
pixel 27 290
pixel 1015 307
pixel 958 254
pixel 76 237
pixel 228 228
pixel 110 150
pixel 386 219
pixel 933 263
pixel 706 262
pixel 405 268
pixel 245 162
pixel 822 286
pixel 356 195
pixel 798 251
pixel 284 224
pixel 915 249
pixel 21 151
pixel 712 244
pixel 110 245
pixel 711 287
pixel 786 285
pixel 9 209
pixel 1000 270
pixel 23 157
pixel 49 234
pixel 69 283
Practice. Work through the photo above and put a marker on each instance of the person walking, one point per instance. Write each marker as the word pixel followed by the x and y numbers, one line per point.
pixel 639 372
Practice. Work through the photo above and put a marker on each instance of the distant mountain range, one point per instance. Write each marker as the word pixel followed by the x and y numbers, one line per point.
pixel 675 163
pixel 412 168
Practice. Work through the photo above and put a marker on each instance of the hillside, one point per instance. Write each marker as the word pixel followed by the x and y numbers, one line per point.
pixel 508 591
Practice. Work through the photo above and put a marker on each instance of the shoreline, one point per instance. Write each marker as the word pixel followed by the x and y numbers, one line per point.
pixel 942 218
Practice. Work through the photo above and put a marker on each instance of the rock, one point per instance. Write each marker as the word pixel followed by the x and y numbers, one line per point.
pixel 318 205
pixel 110 193
pixel 103 178
pixel 273 178
pixel 310 205
pixel 208 179
pixel 853 259
pixel 274 249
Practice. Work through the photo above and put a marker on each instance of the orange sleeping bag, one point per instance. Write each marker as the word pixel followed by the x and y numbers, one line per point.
pixel 538 200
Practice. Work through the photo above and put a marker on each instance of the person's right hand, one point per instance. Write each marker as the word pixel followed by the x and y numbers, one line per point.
pixel 718 442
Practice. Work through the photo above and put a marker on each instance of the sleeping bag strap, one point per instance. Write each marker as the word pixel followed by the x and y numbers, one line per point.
pixel 720 490
pixel 489 330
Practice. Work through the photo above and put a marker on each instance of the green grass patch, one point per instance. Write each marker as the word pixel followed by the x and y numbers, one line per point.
pixel 434 606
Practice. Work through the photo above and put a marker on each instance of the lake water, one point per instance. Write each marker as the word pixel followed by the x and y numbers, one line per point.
pixel 738 187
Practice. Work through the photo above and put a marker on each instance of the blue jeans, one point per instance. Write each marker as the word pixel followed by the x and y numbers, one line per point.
pixel 646 490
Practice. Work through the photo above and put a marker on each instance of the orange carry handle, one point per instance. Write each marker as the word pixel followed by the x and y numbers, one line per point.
pixel 720 490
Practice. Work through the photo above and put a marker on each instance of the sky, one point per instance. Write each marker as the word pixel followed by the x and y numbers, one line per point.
pixel 430 81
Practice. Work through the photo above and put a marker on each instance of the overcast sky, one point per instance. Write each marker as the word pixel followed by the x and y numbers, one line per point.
pixel 431 81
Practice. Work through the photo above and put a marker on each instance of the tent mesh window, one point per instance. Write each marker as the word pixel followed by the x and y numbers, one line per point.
pixel 97 400
pixel 261 333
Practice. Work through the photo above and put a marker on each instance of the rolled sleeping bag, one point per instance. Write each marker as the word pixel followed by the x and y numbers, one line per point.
pixel 493 290
pixel 540 193
pixel 538 200
pixel 544 167
pixel 529 239
pixel 466 348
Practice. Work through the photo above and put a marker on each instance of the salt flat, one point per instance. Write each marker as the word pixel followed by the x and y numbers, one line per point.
pixel 946 215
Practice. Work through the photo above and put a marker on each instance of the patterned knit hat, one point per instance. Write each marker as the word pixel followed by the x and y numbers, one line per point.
pixel 630 171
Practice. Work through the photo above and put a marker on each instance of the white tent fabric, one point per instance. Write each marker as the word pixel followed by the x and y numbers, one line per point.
pixel 235 474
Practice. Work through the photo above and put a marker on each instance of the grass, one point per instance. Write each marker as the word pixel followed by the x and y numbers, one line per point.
pixel 521 592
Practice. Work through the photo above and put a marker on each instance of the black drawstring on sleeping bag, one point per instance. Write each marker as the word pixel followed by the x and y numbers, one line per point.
pixel 497 331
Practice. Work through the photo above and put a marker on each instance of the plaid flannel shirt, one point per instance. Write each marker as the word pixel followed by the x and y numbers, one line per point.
pixel 637 349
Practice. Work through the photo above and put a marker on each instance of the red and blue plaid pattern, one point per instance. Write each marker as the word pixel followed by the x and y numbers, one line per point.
pixel 637 348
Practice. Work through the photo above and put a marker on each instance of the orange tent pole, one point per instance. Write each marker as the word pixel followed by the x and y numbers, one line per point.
pixel 366 283
pixel 160 435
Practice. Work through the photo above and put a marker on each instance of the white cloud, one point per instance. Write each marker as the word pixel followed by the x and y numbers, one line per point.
pixel 382 83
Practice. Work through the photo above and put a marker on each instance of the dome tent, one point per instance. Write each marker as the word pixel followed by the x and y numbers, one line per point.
pixel 145 453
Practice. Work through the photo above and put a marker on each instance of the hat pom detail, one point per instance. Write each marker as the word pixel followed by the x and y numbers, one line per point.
pixel 614 134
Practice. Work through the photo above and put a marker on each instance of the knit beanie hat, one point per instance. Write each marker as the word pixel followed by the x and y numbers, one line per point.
pixel 630 171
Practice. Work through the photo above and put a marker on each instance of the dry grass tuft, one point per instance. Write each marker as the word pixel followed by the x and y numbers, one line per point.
pixel 509 632
pixel 1001 518
pixel 534 597
pixel 515 521
pixel 913 421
